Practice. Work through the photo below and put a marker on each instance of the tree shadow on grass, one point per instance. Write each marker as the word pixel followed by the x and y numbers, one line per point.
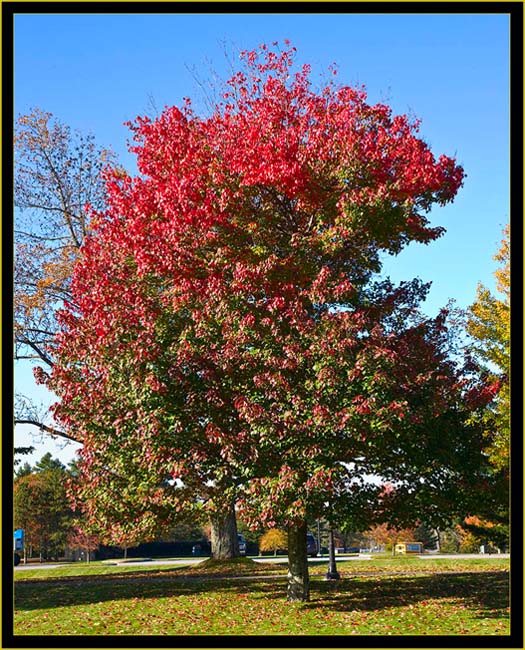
pixel 488 591
pixel 38 593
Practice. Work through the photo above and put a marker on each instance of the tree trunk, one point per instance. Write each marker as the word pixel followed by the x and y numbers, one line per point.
pixel 438 544
pixel 333 573
pixel 224 540
pixel 298 579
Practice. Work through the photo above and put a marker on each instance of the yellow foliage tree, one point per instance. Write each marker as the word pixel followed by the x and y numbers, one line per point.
pixel 274 540
pixel 488 324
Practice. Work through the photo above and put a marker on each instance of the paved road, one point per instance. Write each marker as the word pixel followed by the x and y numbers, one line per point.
pixel 464 556
pixel 190 560
pixel 45 565
pixel 363 556
pixel 279 559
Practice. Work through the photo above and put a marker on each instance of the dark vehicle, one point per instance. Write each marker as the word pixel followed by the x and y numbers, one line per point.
pixel 197 550
pixel 242 544
pixel 311 545
pixel 204 548
pixel 201 548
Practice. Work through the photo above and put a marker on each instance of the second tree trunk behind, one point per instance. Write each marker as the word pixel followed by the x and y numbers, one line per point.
pixel 224 541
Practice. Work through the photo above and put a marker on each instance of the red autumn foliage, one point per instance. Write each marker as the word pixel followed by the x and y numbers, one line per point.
pixel 228 332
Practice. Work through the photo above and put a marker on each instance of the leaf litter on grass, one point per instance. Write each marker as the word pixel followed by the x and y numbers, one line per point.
pixel 371 605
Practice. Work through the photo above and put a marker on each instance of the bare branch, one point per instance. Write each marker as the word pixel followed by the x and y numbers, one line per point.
pixel 34 346
pixel 47 429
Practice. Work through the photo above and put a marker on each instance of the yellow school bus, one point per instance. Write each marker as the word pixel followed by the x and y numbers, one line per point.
pixel 403 548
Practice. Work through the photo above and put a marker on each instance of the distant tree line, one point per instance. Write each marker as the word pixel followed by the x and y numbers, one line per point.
pixel 43 510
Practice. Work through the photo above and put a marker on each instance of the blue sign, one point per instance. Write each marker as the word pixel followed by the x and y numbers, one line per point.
pixel 19 539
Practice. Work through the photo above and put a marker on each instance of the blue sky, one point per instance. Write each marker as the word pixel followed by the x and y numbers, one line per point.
pixel 95 72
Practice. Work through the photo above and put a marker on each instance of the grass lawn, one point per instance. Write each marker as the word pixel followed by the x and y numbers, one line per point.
pixel 393 596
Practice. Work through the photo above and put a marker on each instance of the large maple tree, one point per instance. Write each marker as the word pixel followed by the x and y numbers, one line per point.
pixel 230 339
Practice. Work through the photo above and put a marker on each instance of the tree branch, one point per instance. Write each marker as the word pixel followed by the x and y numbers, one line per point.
pixel 46 429
pixel 42 355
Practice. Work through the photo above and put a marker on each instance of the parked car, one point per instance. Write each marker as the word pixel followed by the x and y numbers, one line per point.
pixel 242 544
pixel 311 545
pixel 204 548
pixel 201 548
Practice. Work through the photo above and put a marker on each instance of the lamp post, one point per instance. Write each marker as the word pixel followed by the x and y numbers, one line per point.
pixel 333 573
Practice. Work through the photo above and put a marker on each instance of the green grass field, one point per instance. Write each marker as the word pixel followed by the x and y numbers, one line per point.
pixel 386 597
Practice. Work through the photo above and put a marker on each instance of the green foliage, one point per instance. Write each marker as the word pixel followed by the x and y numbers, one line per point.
pixel 426 536
pixel 189 529
pixel 450 540
pixel 251 534
pixel 494 533
pixel 73 469
pixel 49 464
pixel 23 470
pixel 42 509
pixel 21 451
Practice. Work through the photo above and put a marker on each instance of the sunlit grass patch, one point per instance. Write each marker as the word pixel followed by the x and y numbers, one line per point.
pixel 414 564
